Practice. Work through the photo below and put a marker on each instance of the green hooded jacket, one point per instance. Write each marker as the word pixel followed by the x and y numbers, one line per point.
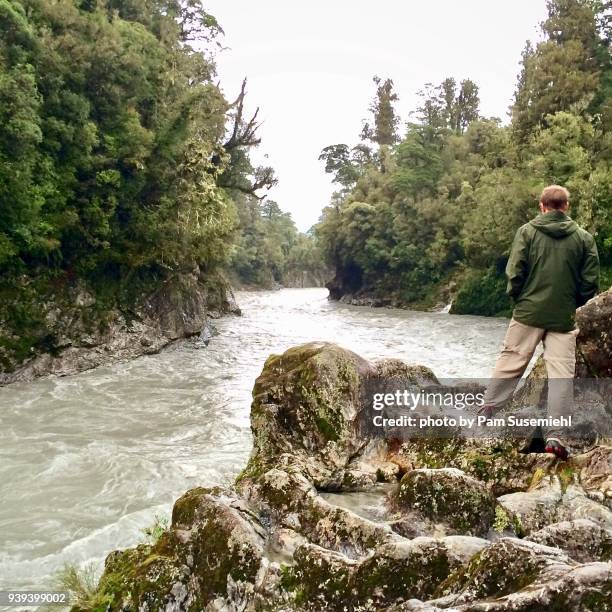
pixel 553 268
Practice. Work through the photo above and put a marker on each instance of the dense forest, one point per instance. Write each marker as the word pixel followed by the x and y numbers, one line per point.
pixel 269 250
pixel 430 214
pixel 122 163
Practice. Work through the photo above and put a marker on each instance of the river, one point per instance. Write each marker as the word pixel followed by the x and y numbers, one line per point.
pixel 88 461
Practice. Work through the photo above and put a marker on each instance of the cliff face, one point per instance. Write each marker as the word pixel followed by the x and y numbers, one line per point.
pixel 76 330
pixel 468 524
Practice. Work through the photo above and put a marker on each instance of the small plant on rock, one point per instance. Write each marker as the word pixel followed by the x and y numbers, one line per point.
pixel 81 583
pixel 156 530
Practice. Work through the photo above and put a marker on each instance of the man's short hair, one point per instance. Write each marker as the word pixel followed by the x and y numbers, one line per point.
pixel 554 197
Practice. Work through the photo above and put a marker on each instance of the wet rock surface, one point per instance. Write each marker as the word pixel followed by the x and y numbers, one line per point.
pixel 461 525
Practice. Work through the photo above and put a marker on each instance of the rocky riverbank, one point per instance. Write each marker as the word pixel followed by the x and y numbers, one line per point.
pixel 77 332
pixel 467 524
pixel 439 298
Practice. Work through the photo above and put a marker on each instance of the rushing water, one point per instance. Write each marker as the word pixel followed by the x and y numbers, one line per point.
pixel 87 461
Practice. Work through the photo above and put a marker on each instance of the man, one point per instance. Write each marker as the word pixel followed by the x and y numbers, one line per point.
pixel 553 268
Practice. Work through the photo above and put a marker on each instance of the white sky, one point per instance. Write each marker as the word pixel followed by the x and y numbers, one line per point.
pixel 310 67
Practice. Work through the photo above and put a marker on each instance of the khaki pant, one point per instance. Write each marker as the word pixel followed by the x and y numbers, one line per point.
pixel 519 346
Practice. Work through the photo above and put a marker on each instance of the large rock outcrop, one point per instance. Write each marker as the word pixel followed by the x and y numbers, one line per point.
pixel 79 330
pixel 594 347
pixel 464 524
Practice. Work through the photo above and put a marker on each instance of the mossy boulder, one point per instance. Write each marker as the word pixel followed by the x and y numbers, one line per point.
pixel 519 576
pixel 304 403
pixel 582 539
pixel 406 569
pixel 495 462
pixel 321 579
pixel 503 567
pixel 450 496
pixel 593 470
pixel 215 545
pixel 308 404
pixel 290 501
pixel 554 499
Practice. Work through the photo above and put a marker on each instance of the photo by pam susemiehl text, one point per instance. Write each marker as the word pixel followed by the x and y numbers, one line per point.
pixel 449 408
pixel 429 421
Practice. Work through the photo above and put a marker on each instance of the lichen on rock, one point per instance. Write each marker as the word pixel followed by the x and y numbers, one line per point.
pixel 450 496
pixel 582 539
pixel 215 540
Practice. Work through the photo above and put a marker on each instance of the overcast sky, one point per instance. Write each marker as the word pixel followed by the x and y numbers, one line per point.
pixel 310 66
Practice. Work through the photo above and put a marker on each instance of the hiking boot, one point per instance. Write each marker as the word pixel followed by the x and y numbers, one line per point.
pixel 554 447
pixel 535 445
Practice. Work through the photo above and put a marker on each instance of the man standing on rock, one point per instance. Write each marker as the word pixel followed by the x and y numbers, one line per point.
pixel 553 268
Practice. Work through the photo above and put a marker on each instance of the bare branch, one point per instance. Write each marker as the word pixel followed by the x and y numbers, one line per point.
pixel 243 134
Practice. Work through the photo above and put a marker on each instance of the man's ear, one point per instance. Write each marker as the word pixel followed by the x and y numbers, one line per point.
pixel 542 209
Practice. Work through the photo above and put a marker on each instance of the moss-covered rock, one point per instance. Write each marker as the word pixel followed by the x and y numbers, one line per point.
pixel 308 404
pixel 503 567
pixel 593 470
pixel 582 539
pixel 552 501
pixel 274 543
pixel 304 403
pixel 495 462
pixel 324 580
pixel 450 496
pixel 594 343
pixel 215 545
pixel 320 579
pixel 292 502
pixel 585 588
pixel 407 569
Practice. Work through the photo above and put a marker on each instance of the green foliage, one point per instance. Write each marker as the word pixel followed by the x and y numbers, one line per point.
pixel 445 107
pixel 270 251
pixel 345 164
pixel 564 72
pixel 482 293
pixel 155 531
pixel 446 200
pixel 504 521
pixel 108 126
pixel 384 130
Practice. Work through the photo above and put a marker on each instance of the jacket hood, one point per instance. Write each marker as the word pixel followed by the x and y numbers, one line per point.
pixel 555 224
